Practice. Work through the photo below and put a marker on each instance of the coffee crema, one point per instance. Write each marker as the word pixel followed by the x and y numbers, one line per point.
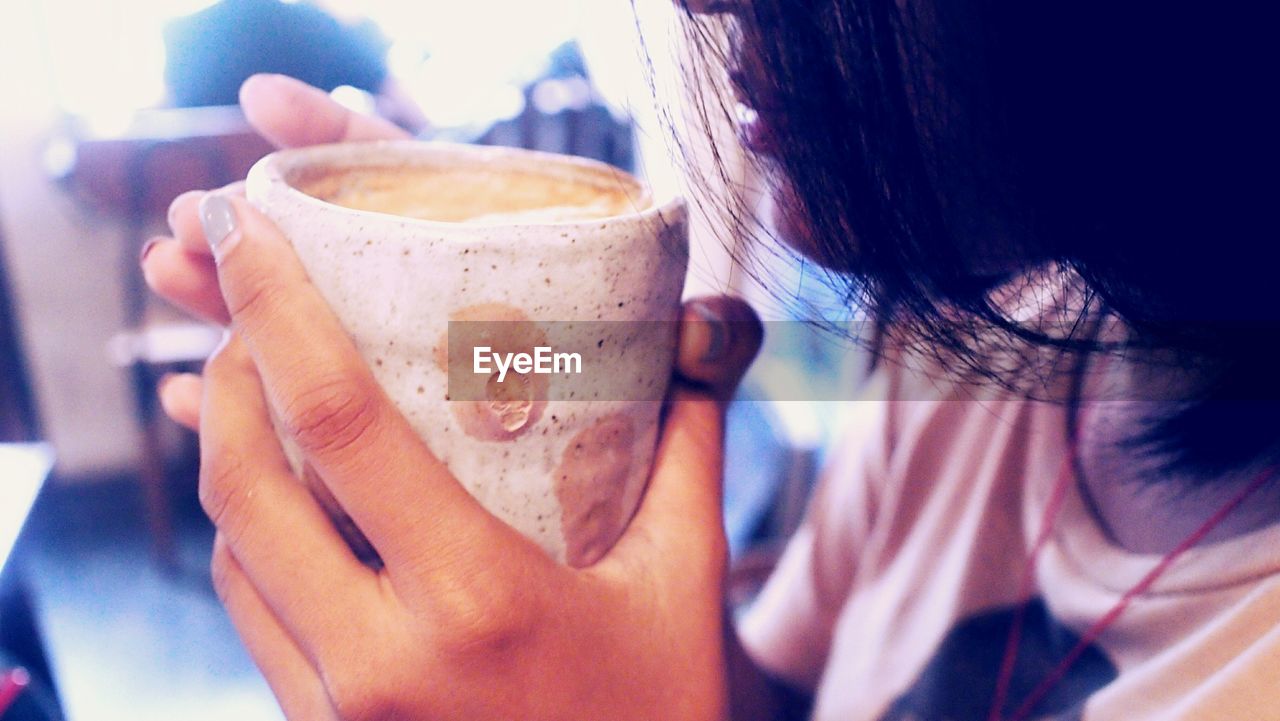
pixel 487 196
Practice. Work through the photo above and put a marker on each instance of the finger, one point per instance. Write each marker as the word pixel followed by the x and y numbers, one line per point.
pixel 184 217
pixel 184 222
pixel 180 397
pixel 396 491
pixel 292 678
pixel 188 280
pixel 719 337
pixel 273 526
pixel 289 113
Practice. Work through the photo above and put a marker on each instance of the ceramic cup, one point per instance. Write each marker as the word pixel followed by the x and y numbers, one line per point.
pixel 560 457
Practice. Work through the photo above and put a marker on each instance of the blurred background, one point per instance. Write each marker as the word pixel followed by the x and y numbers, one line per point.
pixel 109 110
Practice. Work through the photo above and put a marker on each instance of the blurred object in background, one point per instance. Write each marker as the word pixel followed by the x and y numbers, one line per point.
pixel 18 421
pixel 132 176
pixel 27 690
pixel 209 55
pixel 26 681
pixel 466 64
pixel 563 113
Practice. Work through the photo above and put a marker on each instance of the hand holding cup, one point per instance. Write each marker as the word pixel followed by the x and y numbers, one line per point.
pixel 468 619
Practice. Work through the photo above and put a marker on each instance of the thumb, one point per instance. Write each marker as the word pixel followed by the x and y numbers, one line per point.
pixel 719 337
pixel 679 527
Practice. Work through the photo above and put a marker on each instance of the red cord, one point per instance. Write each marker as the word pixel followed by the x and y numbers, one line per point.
pixel 1028 578
pixel 1140 588
pixel 12 683
pixel 1028 582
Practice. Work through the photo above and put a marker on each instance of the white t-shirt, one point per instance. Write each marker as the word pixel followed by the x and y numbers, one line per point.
pixel 895 599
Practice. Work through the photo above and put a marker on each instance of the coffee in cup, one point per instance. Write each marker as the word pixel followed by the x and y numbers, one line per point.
pixel 474 194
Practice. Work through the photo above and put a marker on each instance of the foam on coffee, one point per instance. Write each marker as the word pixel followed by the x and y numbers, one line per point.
pixel 480 195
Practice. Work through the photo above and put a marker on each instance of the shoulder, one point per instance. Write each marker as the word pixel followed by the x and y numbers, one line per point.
pixel 975 420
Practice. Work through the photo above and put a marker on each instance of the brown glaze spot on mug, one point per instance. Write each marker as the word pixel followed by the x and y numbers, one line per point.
pixel 590 481
pixel 351 533
pixel 483 407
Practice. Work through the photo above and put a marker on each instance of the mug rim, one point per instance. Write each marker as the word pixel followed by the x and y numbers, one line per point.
pixel 271 173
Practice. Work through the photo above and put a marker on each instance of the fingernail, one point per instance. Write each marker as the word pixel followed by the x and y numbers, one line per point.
pixel 718 342
pixel 146 248
pixel 218 219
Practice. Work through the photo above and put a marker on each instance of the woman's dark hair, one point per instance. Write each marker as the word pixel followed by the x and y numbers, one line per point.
pixel 936 150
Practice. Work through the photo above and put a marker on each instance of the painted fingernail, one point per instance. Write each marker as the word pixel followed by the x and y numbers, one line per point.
pixel 718 330
pixel 146 248
pixel 219 221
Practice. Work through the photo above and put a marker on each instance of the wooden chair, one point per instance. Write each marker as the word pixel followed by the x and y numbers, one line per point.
pixel 134 175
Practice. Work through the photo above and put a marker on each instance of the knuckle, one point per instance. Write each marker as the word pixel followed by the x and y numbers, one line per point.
pixel 362 696
pixel 488 620
pixel 225 494
pixel 331 415
pixel 258 297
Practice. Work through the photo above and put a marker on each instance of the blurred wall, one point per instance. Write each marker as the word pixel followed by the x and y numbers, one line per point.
pixel 64 270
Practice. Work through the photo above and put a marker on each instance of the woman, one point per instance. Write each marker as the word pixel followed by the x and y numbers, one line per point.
pixel 1057 203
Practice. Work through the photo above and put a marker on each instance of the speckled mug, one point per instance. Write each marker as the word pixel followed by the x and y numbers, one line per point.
pixel 566 473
